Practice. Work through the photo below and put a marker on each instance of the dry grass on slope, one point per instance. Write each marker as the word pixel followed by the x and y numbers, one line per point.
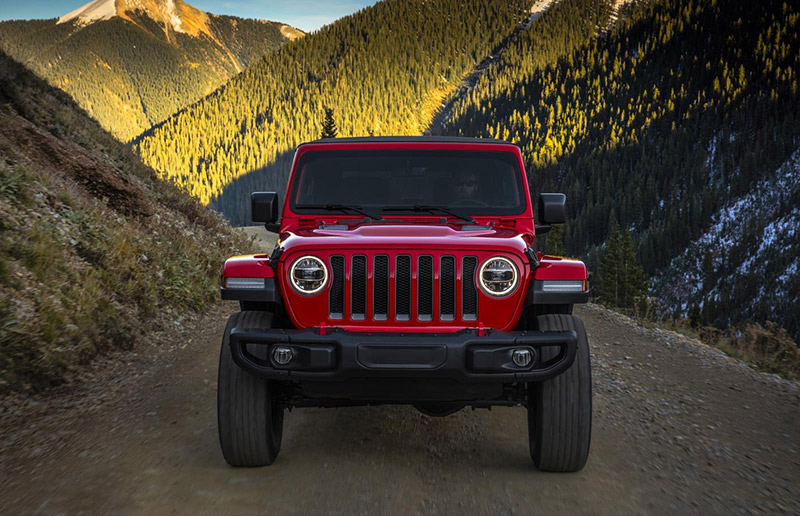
pixel 770 348
pixel 95 251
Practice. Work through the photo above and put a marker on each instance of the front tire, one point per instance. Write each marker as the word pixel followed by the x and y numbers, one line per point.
pixel 560 409
pixel 249 414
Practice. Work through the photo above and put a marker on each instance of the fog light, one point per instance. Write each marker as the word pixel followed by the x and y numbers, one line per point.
pixel 282 355
pixel 522 357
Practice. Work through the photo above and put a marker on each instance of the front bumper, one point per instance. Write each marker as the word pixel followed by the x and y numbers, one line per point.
pixel 341 355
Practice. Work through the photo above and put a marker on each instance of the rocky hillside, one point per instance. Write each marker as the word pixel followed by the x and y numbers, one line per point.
pixel 132 63
pixel 95 251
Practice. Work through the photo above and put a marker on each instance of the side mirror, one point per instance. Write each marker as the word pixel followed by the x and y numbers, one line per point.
pixel 264 207
pixel 552 208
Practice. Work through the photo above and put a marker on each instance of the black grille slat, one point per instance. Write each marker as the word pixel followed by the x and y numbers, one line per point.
pixel 425 288
pixel 403 288
pixel 336 300
pixel 447 288
pixel 358 284
pixel 469 292
pixel 380 287
pixel 387 271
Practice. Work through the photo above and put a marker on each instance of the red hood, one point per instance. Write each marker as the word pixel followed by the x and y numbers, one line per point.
pixel 407 236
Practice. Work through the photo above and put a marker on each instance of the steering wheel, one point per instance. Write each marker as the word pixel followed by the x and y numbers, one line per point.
pixel 468 202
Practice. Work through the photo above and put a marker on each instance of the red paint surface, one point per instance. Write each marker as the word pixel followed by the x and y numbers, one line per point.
pixel 556 268
pixel 411 234
pixel 248 266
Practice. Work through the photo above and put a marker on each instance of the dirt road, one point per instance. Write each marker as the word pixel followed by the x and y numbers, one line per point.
pixel 678 428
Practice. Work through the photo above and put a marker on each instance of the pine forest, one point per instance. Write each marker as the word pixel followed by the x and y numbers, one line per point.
pixel 658 123
pixel 384 71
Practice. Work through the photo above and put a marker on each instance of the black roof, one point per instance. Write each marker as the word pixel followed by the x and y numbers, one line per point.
pixel 411 139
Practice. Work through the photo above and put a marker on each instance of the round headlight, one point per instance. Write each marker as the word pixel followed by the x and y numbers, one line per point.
pixel 498 276
pixel 308 275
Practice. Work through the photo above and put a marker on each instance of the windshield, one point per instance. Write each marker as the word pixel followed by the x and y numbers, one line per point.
pixel 391 182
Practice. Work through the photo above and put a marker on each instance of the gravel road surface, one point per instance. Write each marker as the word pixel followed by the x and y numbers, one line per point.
pixel 678 428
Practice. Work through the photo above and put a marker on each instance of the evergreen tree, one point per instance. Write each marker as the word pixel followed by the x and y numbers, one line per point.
pixel 554 241
pixel 695 316
pixel 622 279
pixel 608 284
pixel 634 280
pixel 329 125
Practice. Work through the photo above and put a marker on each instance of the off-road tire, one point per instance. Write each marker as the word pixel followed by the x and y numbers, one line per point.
pixel 560 409
pixel 249 417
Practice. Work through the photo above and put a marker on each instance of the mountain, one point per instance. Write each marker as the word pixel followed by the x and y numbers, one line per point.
pixel 679 122
pixel 132 63
pixel 95 251
pixel 655 116
pixel 384 70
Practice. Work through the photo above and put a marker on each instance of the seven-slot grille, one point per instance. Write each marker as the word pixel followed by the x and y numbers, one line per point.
pixel 422 287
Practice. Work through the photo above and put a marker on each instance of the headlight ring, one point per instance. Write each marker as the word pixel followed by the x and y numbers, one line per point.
pixel 308 275
pixel 498 277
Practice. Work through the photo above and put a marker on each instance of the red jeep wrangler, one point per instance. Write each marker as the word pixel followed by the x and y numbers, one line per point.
pixel 406 271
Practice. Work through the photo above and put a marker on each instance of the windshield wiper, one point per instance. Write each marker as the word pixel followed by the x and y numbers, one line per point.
pixel 432 209
pixel 338 207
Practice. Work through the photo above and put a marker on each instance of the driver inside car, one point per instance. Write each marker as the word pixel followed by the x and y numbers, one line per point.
pixel 465 186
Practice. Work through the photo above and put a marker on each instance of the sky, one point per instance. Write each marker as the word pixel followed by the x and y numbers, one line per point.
pixel 306 15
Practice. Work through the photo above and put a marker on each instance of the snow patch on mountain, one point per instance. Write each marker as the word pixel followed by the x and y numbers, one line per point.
pixel 537 9
pixel 616 6
pixel 177 24
pixel 749 256
pixel 91 12
pixel 178 15
pixel 289 32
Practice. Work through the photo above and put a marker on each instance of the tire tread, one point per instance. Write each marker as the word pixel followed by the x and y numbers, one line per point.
pixel 245 414
pixel 560 409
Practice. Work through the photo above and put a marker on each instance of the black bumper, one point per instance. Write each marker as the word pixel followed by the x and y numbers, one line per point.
pixel 464 356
